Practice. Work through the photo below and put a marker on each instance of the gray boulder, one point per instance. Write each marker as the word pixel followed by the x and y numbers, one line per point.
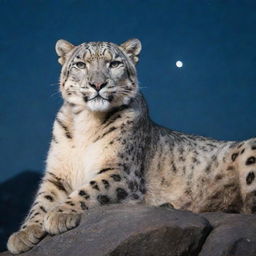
pixel 232 235
pixel 153 231
pixel 129 230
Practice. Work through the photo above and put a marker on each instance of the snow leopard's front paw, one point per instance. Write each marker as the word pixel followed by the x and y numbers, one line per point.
pixel 25 239
pixel 61 219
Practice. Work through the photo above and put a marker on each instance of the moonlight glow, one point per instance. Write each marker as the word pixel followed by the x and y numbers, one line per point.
pixel 179 64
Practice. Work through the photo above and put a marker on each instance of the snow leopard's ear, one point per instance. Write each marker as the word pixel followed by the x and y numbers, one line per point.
pixel 133 48
pixel 62 48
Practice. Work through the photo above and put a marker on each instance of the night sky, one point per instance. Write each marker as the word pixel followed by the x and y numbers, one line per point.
pixel 213 94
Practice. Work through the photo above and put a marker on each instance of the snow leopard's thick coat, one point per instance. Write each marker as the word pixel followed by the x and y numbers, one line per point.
pixel 105 149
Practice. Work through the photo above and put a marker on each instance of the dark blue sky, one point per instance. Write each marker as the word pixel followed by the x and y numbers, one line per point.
pixel 213 94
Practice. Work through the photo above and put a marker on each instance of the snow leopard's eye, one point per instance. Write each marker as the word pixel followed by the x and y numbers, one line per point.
pixel 80 65
pixel 115 64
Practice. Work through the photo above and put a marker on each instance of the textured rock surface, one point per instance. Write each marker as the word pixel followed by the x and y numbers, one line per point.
pixel 232 235
pixel 147 231
pixel 126 230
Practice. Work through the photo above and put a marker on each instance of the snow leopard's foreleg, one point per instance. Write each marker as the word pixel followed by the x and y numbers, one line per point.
pixel 51 193
pixel 109 186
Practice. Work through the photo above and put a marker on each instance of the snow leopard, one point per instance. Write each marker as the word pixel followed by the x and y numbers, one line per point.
pixel 105 149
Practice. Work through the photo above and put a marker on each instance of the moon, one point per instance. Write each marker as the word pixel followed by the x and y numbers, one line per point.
pixel 179 64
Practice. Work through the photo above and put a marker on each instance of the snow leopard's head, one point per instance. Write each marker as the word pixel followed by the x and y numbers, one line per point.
pixel 98 75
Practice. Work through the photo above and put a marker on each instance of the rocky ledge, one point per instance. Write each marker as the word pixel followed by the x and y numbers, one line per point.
pixel 149 231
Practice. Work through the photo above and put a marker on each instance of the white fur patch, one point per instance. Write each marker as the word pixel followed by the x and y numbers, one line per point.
pixel 98 105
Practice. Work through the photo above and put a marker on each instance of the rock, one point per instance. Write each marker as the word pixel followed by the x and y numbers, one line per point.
pixel 129 230
pixel 153 231
pixel 5 254
pixel 232 235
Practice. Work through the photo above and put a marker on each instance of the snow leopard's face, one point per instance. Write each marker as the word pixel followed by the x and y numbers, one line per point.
pixel 98 75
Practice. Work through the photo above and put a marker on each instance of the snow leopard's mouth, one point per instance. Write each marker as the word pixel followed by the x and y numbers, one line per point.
pixel 98 97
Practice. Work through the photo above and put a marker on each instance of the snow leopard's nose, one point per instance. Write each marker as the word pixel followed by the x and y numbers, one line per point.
pixel 98 85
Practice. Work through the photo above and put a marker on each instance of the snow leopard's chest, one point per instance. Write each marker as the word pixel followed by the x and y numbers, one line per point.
pixel 86 154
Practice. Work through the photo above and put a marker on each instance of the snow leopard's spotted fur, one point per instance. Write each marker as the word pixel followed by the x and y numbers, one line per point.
pixel 105 149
